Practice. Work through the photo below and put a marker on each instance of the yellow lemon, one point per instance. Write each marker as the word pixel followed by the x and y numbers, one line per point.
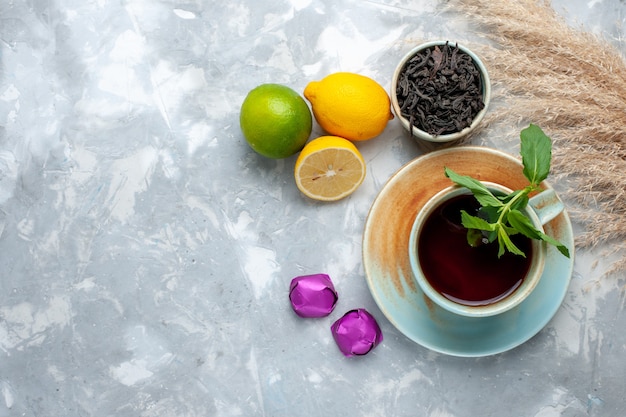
pixel 275 120
pixel 349 105
pixel 329 168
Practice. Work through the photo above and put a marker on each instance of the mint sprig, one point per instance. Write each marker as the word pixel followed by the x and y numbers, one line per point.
pixel 501 216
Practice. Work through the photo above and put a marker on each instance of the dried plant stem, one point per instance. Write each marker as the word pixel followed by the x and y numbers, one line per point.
pixel 573 84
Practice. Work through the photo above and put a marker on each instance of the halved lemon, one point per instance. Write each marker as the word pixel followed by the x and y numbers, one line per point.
pixel 329 168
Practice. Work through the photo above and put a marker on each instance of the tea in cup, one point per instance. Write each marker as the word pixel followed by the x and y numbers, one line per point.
pixel 473 280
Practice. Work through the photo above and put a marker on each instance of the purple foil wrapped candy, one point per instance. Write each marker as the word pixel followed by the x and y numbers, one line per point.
pixel 312 295
pixel 356 333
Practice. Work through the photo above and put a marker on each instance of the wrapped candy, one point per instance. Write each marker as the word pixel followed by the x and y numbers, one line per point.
pixel 356 333
pixel 312 295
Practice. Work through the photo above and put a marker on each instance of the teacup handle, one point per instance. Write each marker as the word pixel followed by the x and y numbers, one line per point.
pixel 547 205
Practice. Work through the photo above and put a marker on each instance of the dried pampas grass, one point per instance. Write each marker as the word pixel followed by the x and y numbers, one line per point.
pixel 572 84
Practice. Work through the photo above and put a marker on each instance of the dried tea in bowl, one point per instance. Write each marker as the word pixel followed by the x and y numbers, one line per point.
pixel 440 90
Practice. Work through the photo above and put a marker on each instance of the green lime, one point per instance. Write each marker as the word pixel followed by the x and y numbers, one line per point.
pixel 275 120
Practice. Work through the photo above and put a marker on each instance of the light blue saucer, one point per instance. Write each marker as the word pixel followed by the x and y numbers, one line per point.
pixel 388 271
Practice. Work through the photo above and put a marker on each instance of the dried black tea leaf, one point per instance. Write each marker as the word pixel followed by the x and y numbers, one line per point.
pixel 440 90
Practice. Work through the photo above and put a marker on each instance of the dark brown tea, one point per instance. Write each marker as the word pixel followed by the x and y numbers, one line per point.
pixel 464 274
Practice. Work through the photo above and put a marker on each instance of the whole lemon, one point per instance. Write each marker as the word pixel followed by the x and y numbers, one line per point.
pixel 275 120
pixel 349 105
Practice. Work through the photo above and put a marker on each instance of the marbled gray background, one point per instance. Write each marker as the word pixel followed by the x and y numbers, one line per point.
pixel 147 251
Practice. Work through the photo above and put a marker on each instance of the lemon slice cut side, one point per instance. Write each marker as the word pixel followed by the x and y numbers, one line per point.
pixel 329 168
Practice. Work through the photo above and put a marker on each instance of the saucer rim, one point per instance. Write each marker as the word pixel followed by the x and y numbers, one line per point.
pixel 556 277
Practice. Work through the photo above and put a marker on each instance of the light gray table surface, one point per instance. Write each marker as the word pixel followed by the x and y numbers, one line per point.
pixel 147 250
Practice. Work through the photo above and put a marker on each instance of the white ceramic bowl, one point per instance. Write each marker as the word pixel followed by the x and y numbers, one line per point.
pixel 421 134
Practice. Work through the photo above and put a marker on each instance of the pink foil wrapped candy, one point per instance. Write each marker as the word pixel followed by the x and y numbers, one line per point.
pixel 312 295
pixel 356 333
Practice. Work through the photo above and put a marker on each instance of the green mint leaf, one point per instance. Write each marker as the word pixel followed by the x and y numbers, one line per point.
pixel 504 241
pixel 473 222
pixel 536 151
pixel 476 229
pixel 474 237
pixel 561 247
pixel 510 230
pixel 482 193
pixel 491 214
pixel 521 223
pixel 501 245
